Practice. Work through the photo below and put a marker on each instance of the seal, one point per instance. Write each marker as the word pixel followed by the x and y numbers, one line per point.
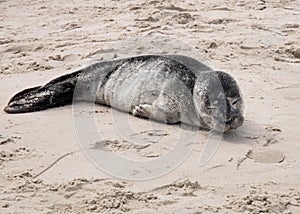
pixel 165 88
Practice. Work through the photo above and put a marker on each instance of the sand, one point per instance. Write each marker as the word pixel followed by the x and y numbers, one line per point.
pixel 255 168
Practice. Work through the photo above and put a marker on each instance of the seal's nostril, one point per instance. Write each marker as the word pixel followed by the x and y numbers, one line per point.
pixel 228 121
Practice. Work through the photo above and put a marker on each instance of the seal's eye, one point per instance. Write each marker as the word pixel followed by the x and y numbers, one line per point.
pixel 234 101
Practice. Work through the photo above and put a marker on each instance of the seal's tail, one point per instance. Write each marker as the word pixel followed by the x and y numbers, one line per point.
pixel 41 97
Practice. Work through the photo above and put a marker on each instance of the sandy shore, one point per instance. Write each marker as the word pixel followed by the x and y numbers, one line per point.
pixel 255 168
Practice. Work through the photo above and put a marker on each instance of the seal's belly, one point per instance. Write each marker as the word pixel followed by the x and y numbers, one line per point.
pixel 135 83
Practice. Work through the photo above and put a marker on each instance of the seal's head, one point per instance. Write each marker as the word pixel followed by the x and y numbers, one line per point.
pixel 218 101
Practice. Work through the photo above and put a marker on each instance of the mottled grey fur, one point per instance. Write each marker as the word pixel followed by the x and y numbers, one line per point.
pixel 166 88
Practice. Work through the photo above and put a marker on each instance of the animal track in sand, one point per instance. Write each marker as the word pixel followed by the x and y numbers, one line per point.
pixel 82 195
pixel 13 155
pixel 180 188
pixel 264 202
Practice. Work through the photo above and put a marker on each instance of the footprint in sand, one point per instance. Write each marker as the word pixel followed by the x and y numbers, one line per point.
pixel 180 188
pixel 183 18
pixel 266 155
pixel 13 155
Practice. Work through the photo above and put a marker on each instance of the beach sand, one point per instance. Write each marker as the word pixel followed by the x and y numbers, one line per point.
pixel 255 168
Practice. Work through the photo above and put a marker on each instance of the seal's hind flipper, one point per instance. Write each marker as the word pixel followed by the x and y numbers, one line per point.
pixel 57 92
pixel 22 93
pixel 40 98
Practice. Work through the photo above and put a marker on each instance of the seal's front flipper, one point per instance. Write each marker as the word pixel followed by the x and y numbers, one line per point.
pixel 40 98
pixel 163 110
pixel 143 110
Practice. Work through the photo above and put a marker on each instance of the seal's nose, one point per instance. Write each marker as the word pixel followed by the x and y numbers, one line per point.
pixel 237 121
pixel 234 117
